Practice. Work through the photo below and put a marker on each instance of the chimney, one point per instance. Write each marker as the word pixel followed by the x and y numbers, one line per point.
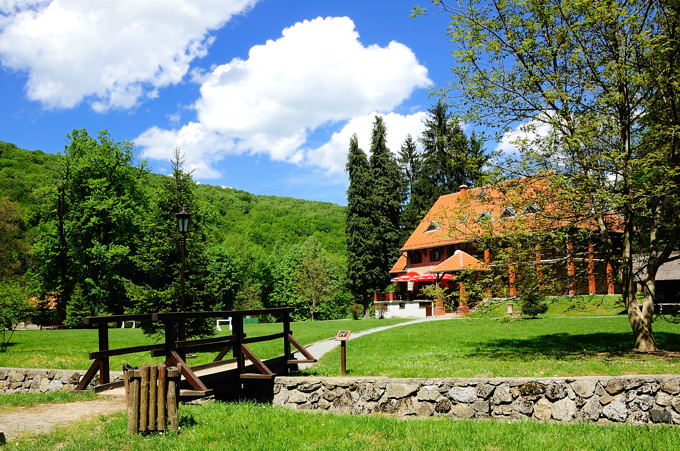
pixel 463 192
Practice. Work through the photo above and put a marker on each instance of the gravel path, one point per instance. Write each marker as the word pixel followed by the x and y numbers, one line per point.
pixel 322 347
pixel 43 418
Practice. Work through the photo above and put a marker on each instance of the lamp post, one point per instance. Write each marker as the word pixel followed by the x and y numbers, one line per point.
pixel 182 227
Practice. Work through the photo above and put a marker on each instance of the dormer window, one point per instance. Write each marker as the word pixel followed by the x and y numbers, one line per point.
pixel 434 225
pixel 464 219
pixel 531 209
pixel 435 255
pixel 484 216
pixel 508 212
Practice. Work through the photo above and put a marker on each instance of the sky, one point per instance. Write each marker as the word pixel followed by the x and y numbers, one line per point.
pixel 259 95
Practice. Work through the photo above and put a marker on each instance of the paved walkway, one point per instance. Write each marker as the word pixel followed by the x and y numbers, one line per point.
pixel 322 347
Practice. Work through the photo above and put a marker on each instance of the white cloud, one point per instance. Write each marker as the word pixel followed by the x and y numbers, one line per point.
pixel 333 154
pixel 109 51
pixel 317 73
pixel 523 135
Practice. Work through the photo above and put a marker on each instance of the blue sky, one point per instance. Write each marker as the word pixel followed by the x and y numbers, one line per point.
pixel 259 95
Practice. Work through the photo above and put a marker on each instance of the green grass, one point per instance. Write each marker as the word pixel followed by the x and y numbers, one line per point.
pixel 9 402
pixel 597 305
pixel 260 427
pixel 69 349
pixel 492 348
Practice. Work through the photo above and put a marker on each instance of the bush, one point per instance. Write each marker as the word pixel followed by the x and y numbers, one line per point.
pixel 14 308
pixel 533 304
pixel 356 310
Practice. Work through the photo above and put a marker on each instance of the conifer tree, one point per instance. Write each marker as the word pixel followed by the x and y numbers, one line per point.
pixel 358 228
pixel 410 161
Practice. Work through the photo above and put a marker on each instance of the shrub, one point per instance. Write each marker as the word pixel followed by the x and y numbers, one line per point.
pixel 533 304
pixel 356 310
pixel 14 308
pixel 381 308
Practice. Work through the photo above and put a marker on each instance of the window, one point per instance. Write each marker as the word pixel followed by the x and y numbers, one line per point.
pixel 434 225
pixel 435 255
pixel 402 305
pixel 464 219
pixel 484 216
pixel 531 209
pixel 508 212
pixel 416 257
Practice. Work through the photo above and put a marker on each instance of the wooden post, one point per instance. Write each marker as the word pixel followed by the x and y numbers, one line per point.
pixel 592 287
pixel 286 342
pixel 161 398
pixel 173 387
pixel 153 399
pixel 571 269
pixel 237 329
pixel 133 402
pixel 144 399
pixel 104 346
pixel 343 357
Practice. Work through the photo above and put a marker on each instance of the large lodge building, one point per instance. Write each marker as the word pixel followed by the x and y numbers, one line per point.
pixel 447 248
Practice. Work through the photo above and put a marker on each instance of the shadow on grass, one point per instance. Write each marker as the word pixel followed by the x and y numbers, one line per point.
pixel 569 346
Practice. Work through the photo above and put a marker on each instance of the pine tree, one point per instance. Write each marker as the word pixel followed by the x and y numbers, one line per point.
pixel 358 228
pixel 410 161
pixel 388 194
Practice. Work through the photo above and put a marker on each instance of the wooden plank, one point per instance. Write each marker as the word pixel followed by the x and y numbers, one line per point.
pixel 262 368
pixel 221 354
pixel 123 351
pixel 104 346
pixel 294 361
pixel 218 363
pixel 162 393
pixel 89 375
pixel 144 400
pixel 153 399
pixel 263 338
pixel 255 376
pixel 286 344
pixel 133 410
pixel 195 393
pixel 173 415
pixel 220 340
pixel 301 348
pixel 188 374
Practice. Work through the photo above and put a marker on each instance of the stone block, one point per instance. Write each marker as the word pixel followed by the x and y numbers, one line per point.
pixel 399 390
pixel 614 386
pixel 563 409
pixel 555 391
pixel 424 409
pixel 523 406
pixel 501 395
pixel 502 410
pixel 671 386
pixel 592 409
pixel 639 417
pixel 641 402
pixel 485 390
pixel 16 376
pixel 663 399
pixel 633 383
pixel 308 388
pixel 466 395
pixel 584 388
pixel 343 403
pixel 532 390
pixel 660 416
pixel 616 411
pixel 428 393
pixel 296 397
pixel 481 406
pixel 443 406
pixel 463 411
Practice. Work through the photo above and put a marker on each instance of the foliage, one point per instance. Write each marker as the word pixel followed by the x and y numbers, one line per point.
pixel 533 304
pixel 592 91
pixel 434 291
pixel 12 249
pixel 356 310
pixel 14 308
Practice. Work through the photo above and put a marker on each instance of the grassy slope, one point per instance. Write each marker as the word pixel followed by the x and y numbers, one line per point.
pixel 248 426
pixel 598 305
pixel 66 349
pixel 9 402
pixel 490 348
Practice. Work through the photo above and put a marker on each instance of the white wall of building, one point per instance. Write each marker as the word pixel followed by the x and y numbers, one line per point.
pixel 414 309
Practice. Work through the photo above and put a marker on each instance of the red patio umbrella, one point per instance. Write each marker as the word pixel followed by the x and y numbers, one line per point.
pixel 432 277
pixel 408 277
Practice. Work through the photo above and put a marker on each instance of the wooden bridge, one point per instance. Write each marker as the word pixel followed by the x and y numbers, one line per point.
pixel 223 377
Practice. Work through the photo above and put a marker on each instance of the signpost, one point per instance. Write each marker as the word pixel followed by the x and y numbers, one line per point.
pixel 342 337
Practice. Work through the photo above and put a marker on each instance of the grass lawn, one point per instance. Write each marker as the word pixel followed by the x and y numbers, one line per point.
pixel 258 427
pixel 9 402
pixel 69 349
pixel 597 305
pixel 491 348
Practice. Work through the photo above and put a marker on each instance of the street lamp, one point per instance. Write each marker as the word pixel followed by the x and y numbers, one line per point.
pixel 182 227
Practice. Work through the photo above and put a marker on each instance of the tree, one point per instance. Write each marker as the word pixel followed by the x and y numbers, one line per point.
pixel 410 161
pixel 14 308
pixel 358 228
pixel 90 223
pixel 388 192
pixel 449 160
pixel 12 248
pixel 591 88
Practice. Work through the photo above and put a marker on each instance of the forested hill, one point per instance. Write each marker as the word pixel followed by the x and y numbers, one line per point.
pixel 254 227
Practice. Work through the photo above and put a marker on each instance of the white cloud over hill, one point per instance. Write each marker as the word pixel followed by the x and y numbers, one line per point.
pixel 317 73
pixel 111 52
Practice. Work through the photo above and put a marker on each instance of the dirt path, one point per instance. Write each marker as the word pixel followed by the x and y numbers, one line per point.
pixel 43 418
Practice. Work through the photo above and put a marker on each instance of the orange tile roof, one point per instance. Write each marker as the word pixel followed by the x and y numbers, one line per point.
pixel 454 218
pixel 400 265
pixel 461 261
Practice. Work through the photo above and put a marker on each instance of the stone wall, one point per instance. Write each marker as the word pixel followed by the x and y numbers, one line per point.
pixel 30 380
pixel 600 399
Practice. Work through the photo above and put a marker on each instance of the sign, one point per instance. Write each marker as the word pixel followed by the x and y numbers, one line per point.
pixel 343 335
